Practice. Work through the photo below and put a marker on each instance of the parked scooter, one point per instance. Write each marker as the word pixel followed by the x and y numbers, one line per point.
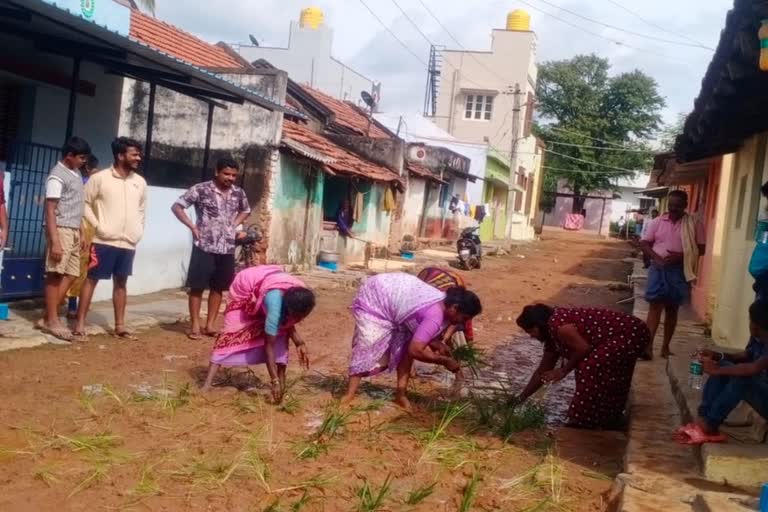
pixel 470 249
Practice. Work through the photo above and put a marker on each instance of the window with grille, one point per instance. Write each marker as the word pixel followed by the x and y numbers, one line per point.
pixel 478 107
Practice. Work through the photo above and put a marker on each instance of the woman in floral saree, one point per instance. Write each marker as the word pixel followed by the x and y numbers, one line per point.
pixel 398 318
pixel 265 304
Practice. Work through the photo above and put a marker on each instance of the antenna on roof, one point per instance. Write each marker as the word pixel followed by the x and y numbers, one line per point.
pixel 253 39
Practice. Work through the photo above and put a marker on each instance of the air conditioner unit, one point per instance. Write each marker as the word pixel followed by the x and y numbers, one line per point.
pixel 417 154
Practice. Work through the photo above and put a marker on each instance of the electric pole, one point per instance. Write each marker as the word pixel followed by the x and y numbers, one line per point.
pixel 513 157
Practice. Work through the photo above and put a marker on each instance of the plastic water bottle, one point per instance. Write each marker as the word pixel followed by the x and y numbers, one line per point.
pixel 695 373
pixel 764 499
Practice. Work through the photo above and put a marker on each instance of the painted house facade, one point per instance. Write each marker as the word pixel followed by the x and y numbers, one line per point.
pixel 117 59
pixel 729 124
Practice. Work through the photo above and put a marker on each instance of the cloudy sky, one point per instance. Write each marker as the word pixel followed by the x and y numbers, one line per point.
pixel 361 42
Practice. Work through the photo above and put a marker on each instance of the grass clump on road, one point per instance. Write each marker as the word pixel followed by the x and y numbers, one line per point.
pixel 371 499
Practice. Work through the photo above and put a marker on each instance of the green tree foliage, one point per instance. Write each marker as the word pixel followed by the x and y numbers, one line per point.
pixel 669 132
pixel 584 112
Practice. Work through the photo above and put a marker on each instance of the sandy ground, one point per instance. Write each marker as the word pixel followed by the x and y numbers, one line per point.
pixel 109 425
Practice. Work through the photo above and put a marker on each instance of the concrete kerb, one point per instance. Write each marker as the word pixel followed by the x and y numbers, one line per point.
pixel 658 473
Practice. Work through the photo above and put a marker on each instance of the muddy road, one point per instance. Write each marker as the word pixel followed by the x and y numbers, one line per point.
pixel 109 425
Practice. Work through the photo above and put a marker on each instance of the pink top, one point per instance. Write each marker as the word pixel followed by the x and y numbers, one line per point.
pixel 429 322
pixel 666 237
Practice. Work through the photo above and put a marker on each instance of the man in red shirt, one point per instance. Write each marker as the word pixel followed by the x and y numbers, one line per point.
pixel 668 287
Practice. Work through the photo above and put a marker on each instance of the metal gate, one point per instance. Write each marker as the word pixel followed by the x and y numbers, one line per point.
pixel 24 261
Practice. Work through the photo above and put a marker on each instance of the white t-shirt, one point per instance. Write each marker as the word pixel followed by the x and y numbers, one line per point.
pixel 54 185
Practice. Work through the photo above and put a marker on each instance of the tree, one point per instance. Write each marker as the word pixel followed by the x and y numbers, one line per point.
pixel 669 132
pixel 596 126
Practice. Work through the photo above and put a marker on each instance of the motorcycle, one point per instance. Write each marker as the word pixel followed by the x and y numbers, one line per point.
pixel 470 248
pixel 245 247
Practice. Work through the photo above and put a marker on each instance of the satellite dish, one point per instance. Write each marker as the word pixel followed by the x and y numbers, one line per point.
pixel 253 40
pixel 368 99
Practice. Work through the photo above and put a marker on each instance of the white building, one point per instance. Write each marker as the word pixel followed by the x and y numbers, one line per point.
pixel 308 59
pixel 626 197
pixel 488 97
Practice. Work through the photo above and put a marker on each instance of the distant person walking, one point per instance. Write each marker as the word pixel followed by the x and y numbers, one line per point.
pixel 220 206
pixel 673 242
pixel 115 205
pixel 64 197
pixel 86 230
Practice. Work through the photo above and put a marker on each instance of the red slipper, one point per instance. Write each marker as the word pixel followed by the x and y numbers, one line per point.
pixel 697 436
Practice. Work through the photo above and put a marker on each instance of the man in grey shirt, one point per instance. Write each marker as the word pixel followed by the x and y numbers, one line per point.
pixel 64 208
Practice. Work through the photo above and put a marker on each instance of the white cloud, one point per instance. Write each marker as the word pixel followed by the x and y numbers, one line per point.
pixel 363 43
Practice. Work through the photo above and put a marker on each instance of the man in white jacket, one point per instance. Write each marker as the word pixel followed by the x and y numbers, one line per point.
pixel 115 205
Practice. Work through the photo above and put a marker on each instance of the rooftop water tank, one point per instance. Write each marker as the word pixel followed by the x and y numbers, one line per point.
pixel 311 17
pixel 519 21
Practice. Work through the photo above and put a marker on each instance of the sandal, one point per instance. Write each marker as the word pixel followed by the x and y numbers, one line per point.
pixel 125 335
pixel 194 336
pixel 62 333
pixel 694 435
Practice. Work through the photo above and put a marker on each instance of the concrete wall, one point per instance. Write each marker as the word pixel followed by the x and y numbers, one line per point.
pixel 296 225
pixel 730 324
pixel 711 214
pixel 162 257
pixel 309 61
pixel 414 206
pixel 594 207
pixel 248 132
pixel 510 61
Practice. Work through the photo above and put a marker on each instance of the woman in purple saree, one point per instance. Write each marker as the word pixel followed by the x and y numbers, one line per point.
pixel 399 318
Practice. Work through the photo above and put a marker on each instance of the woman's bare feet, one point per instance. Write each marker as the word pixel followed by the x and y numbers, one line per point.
pixel 666 352
pixel 402 401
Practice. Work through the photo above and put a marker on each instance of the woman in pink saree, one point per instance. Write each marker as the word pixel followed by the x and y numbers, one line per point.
pixel 399 318
pixel 265 304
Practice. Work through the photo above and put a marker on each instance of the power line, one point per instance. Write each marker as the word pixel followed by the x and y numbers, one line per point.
pixel 599 147
pixel 562 155
pixel 620 29
pixel 429 41
pixel 457 42
pixel 601 36
pixel 394 36
pixel 607 173
pixel 586 136
pixel 657 26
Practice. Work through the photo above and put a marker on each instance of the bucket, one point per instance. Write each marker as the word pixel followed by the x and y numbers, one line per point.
pixel 407 255
pixel 4 312
pixel 329 265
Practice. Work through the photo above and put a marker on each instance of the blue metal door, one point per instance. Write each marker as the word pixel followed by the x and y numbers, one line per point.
pixel 24 261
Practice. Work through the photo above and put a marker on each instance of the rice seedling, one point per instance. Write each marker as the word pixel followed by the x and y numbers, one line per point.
pixel 371 499
pixel 98 473
pixel 318 482
pixel 302 502
pixel 470 357
pixel 290 405
pixel 98 444
pixel 513 420
pixel 439 430
pixel 175 401
pixel 419 494
pixel 249 463
pixel 147 484
pixel 246 405
pixel 204 471
pixel 543 481
pixel 470 493
pixel 274 506
pixel 310 450
pixel 46 475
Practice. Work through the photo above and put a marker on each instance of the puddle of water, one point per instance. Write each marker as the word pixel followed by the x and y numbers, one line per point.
pixel 511 366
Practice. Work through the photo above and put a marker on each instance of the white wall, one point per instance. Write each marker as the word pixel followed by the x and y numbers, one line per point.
pixel 628 201
pixel 163 254
pixel 414 206
pixel 309 61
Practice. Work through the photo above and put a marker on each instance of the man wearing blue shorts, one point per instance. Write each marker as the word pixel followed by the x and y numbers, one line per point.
pixel 115 205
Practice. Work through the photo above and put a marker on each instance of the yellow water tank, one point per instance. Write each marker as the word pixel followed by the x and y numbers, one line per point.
pixel 311 17
pixel 519 21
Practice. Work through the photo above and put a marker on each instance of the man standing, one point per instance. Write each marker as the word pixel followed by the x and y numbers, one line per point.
pixel 220 206
pixel 673 242
pixel 63 217
pixel 115 205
